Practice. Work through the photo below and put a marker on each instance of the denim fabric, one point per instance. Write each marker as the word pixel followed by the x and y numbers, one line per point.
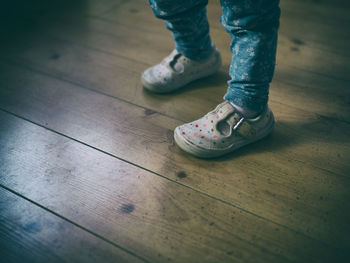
pixel 187 21
pixel 252 26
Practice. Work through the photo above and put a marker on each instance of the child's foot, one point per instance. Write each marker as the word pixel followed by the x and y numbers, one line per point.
pixel 175 71
pixel 222 131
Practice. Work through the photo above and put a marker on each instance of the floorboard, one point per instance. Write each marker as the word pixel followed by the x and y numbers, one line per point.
pixel 128 205
pixel 294 85
pixel 29 233
pixel 86 150
pixel 308 91
pixel 106 35
pixel 275 169
pixel 297 23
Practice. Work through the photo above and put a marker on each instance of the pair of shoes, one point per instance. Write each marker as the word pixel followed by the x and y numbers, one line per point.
pixel 222 130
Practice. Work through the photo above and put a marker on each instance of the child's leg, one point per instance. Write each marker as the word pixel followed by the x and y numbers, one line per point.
pixel 244 117
pixel 194 57
pixel 187 21
pixel 252 25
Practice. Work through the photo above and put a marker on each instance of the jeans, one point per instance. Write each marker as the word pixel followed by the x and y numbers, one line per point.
pixel 252 26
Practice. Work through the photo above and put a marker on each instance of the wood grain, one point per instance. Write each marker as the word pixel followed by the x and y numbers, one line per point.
pixel 157 219
pixel 86 149
pixel 134 93
pixel 275 177
pixel 29 233
pixel 97 71
pixel 295 86
pixel 297 22
pixel 309 58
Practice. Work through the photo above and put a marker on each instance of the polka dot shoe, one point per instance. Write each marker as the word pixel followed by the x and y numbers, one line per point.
pixel 175 71
pixel 222 131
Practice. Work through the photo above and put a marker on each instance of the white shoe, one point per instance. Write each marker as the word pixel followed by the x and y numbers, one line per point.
pixel 175 71
pixel 222 131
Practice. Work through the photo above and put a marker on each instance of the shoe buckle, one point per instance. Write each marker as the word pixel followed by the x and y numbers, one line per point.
pixel 238 124
pixel 243 128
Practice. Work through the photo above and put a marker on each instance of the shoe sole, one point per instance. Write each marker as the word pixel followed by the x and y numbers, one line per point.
pixel 161 89
pixel 200 152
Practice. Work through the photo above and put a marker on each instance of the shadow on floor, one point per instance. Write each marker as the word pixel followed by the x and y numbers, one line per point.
pixel 20 15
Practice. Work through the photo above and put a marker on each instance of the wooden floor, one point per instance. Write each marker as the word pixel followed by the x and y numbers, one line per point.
pixel 89 171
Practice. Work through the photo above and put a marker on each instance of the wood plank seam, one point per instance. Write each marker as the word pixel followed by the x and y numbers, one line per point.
pixel 142 30
pixel 278 79
pixel 78 85
pixel 117 55
pixel 322 74
pixel 9 61
pixel 75 224
pixel 111 21
pixel 168 179
pixel 22 64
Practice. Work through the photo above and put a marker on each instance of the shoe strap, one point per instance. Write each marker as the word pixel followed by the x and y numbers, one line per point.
pixel 169 60
pixel 170 57
pixel 176 57
pixel 239 124
pixel 244 129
